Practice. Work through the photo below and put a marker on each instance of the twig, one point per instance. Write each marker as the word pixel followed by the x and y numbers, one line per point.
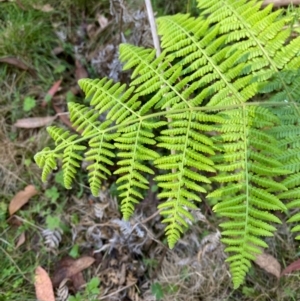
pixel 153 27
pixel 144 221
pixel 278 3
pixel 119 290
pixel 159 266
pixel 62 113
pixel 156 45
pixel 14 263
pixel 27 222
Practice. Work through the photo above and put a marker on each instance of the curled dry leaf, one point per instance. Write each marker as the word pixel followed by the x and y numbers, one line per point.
pixel 43 286
pixel 34 122
pixel 269 263
pixel 21 198
pixel 294 266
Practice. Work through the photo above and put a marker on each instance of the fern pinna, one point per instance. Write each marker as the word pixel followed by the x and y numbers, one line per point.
pixel 217 137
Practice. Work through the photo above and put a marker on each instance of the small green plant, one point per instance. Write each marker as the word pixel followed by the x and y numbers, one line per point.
pixel 157 291
pixel 53 222
pixel 90 293
pixel 52 193
pixel 220 119
pixel 29 104
pixel 74 252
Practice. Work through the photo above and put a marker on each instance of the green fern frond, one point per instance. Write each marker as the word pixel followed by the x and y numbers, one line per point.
pixel 262 41
pixel 289 136
pixel 154 76
pixel 134 152
pixel 100 154
pixel 68 149
pixel 252 184
pixel 114 98
pixel 46 160
pixel 181 184
pixel 220 104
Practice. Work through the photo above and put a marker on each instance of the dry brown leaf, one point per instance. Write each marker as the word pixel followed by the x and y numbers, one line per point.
pixel 43 286
pixel 21 240
pixel 102 21
pixel 80 71
pixel 34 122
pixel 269 263
pixel 80 265
pixel 45 8
pixel 57 50
pixel 91 30
pixel 61 270
pixel 17 63
pixel 78 281
pixel 14 221
pixel 51 92
pixel 21 198
pixel 68 267
pixel 294 266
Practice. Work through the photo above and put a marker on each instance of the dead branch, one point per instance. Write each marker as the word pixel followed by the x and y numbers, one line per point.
pixel 278 3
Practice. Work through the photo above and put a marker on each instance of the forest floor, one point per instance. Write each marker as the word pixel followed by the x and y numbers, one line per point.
pixel 80 241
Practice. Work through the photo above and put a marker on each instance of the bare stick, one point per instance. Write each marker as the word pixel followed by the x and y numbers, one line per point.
pixel 278 3
pixel 153 27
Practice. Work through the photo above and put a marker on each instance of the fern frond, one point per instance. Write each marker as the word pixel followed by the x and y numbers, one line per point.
pixel 134 152
pixel 263 41
pixel 68 149
pixel 224 98
pixel 107 96
pixel 252 183
pixel 205 61
pixel 154 76
pixel 47 160
pixel 182 183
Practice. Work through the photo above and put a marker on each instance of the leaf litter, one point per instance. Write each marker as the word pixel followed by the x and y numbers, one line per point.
pixel 34 122
pixel 21 198
pixel 122 252
pixel 43 286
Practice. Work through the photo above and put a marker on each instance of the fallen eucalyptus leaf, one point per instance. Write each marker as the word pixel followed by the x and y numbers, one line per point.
pixel 21 198
pixel 34 122
pixel 294 266
pixel 43 286
pixel 269 263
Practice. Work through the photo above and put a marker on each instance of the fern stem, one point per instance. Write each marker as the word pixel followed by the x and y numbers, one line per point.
pixel 176 111
pixel 246 173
